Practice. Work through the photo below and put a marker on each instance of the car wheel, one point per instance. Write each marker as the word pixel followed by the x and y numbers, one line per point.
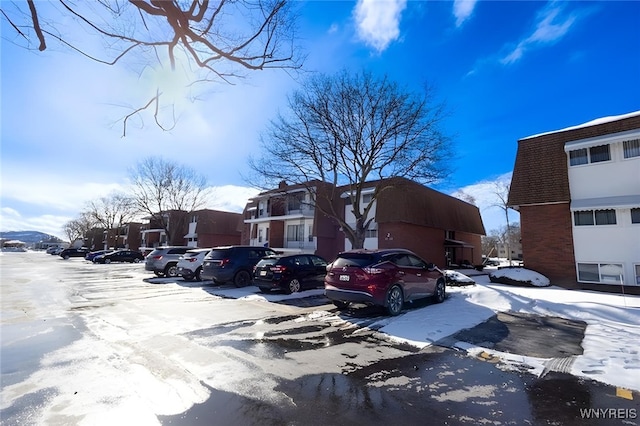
pixel 242 279
pixel 107 261
pixel 265 290
pixel 187 277
pixel 440 293
pixel 136 260
pixel 158 274
pixel 65 257
pixel 198 271
pixel 341 305
pixel 171 271
pixel 293 286
pixel 395 301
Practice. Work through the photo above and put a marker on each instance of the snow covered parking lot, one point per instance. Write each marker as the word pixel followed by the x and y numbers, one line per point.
pixel 102 344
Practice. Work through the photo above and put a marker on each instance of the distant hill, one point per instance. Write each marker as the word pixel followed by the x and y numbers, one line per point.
pixel 28 236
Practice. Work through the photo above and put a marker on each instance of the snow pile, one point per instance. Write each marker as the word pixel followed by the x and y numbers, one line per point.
pixel 519 276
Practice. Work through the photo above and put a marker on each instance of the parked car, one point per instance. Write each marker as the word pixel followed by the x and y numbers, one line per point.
pixel 233 263
pixel 55 250
pixel 123 255
pixel 387 278
pixel 74 252
pixel 92 254
pixel 289 273
pixel 190 264
pixel 163 261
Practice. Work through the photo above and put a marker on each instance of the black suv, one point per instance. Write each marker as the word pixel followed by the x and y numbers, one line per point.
pixel 233 263
pixel 74 252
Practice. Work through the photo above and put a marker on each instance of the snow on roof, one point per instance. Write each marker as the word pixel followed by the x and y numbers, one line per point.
pixel 589 123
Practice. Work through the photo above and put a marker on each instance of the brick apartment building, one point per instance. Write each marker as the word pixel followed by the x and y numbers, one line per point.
pixel 200 228
pixel 440 228
pixel 578 194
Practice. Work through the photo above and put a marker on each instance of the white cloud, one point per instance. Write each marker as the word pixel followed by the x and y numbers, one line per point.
pixel 231 198
pixel 551 25
pixel 378 21
pixel 462 10
pixel 487 201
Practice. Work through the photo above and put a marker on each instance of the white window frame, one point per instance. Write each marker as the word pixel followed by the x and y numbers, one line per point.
pixel 594 217
pixel 634 150
pixel 600 266
pixel 588 152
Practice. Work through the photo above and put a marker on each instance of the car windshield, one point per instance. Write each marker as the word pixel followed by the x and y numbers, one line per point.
pixel 353 259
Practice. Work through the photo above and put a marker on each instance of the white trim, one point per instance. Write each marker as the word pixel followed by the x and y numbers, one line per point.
pixel 364 191
pixel 602 140
pixel 622 201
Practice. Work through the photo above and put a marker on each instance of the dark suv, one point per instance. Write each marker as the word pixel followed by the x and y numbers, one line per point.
pixel 387 278
pixel 233 263
pixel 74 252
pixel 163 260
pixel 290 273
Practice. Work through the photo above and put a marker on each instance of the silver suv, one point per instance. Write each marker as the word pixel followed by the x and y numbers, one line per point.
pixel 163 260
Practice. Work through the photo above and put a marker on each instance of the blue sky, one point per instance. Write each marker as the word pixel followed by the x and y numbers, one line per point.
pixel 506 70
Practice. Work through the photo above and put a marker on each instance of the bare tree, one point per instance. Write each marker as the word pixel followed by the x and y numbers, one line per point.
pixel 347 130
pixel 213 40
pixel 501 191
pixel 112 211
pixel 167 191
pixel 77 228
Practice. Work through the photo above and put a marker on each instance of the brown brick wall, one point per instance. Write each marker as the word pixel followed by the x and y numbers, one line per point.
pixel 427 243
pixel 547 242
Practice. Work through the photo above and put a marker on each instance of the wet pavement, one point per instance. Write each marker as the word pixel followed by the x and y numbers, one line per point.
pixel 112 331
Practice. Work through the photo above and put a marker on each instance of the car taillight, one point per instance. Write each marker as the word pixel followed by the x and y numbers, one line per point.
pixel 373 271
pixel 278 269
pixel 157 257
pixel 193 259
pixel 224 261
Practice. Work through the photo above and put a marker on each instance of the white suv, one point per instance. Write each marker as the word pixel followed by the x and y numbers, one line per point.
pixel 190 264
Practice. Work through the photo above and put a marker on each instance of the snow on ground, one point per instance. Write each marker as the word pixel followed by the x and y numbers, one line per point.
pixel 611 352
pixel 522 275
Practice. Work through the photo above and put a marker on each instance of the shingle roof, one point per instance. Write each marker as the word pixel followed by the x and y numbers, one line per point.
pixel 413 203
pixel 540 174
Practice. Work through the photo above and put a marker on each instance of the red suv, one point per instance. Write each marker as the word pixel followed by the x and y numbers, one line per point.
pixel 387 278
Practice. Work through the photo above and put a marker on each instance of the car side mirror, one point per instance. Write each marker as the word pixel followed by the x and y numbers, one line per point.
pixel 431 267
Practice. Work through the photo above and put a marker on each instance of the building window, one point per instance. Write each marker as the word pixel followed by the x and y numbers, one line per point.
pixel 259 235
pixel 600 153
pixel 637 269
pixel 577 157
pixel 597 217
pixel 583 218
pixel 595 154
pixel 194 218
pixel 295 232
pixel 371 232
pixel 631 148
pixel 294 202
pixel 605 217
pixel 635 215
pixel 604 273
pixel 310 233
pixel 366 198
